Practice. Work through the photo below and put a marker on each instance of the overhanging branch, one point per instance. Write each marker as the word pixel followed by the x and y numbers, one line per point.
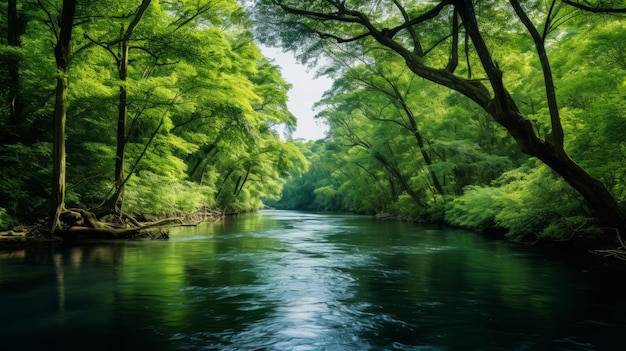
pixel 598 9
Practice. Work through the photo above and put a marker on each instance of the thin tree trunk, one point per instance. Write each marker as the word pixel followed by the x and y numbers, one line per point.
pixel 122 115
pixel 396 97
pixel 420 141
pixel 395 172
pixel 110 205
pixel 245 179
pixel 15 29
pixel 62 54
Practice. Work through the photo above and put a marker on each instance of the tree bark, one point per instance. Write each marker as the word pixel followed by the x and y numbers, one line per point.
pixel 122 116
pixel 62 54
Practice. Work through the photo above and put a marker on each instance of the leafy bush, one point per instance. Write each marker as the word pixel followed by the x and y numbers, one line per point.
pixel 151 193
pixel 326 198
pixel 475 209
pixel 528 202
pixel 24 174
pixel 405 206
pixel 3 218
pixel 539 204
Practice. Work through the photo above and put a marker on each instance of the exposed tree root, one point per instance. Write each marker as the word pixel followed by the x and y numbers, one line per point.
pixel 81 224
pixel 619 253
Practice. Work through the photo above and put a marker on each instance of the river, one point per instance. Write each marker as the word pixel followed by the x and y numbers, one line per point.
pixel 281 280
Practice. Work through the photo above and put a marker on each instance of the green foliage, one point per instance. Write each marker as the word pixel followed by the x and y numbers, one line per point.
pixel 326 198
pixel 475 209
pixel 6 221
pixel 156 194
pixel 526 203
pixel 393 150
pixel 536 203
pixel 24 194
pixel 405 207
pixel 204 110
pixel 400 145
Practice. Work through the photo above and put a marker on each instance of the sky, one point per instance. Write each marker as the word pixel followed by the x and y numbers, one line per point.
pixel 305 91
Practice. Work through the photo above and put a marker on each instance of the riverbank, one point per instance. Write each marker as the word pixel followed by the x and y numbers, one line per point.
pixel 604 246
pixel 22 236
pixel 150 228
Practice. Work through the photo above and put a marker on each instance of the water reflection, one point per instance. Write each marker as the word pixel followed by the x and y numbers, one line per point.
pixel 293 281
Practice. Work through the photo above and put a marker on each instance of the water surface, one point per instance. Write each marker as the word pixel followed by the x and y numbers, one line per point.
pixel 279 280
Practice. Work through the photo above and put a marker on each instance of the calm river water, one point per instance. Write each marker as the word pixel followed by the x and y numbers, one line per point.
pixel 279 280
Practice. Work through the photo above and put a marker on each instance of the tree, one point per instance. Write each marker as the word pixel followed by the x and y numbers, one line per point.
pixel 62 55
pixel 408 28
pixel 121 59
pixel 172 100
pixel 385 78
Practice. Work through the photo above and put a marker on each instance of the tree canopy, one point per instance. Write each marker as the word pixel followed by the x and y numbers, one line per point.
pixel 168 108
pixel 506 124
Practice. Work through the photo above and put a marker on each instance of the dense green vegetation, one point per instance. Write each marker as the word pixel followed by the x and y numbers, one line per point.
pixel 501 116
pixel 498 116
pixel 159 108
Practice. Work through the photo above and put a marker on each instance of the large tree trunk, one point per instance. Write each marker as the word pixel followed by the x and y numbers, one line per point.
pixel 122 117
pixel 551 151
pixel 109 206
pixel 500 106
pixel 503 110
pixel 62 54
pixel 58 152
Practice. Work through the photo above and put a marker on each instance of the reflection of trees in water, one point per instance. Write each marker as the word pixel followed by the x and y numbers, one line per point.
pixel 74 260
pixel 5 255
pixel 60 274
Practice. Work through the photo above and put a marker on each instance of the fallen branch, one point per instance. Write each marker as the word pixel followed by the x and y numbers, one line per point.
pixel 83 224
pixel 619 253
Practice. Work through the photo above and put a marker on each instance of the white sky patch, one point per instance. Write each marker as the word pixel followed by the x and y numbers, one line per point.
pixel 306 90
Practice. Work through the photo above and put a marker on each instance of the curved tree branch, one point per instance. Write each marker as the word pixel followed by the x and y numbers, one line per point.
pixel 538 39
pixel 453 60
pixel 598 9
pixel 417 45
